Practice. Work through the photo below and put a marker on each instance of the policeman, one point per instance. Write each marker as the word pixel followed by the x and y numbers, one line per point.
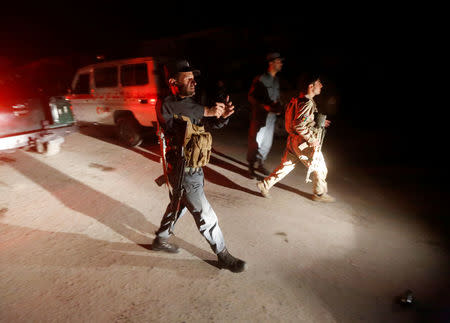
pixel 264 96
pixel 302 141
pixel 180 103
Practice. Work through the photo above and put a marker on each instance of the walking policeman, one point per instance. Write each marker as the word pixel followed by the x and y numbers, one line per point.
pixel 304 142
pixel 264 97
pixel 192 145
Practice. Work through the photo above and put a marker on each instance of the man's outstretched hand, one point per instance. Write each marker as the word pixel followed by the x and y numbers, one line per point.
pixel 220 109
pixel 215 111
pixel 229 108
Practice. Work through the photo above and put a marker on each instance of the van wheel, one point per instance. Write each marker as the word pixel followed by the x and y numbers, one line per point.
pixel 129 131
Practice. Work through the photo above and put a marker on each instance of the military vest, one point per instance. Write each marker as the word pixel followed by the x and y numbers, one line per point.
pixel 197 144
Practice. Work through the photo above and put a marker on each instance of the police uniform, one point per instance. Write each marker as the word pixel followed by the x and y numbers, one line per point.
pixel 194 198
pixel 300 125
pixel 265 90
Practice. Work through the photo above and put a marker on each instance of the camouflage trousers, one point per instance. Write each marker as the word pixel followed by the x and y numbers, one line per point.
pixel 288 163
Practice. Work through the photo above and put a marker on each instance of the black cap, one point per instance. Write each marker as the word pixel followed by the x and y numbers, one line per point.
pixel 272 56
pixel 180 65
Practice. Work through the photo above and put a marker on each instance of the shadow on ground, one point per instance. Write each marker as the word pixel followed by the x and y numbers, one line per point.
pixel 121 218
pixel 150 149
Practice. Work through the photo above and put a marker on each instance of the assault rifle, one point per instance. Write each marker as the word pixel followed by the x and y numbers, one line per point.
pixel 179 128
pixel 315 163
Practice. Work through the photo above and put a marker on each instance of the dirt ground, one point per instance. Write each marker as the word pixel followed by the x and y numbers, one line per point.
pixel 76 229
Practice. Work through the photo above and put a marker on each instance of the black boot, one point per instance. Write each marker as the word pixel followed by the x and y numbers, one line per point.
pixel 262 169
pixel 227 261
pixel 162 244
pixel 251 171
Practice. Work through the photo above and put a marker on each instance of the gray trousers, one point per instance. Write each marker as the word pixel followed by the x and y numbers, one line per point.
pixel 195 201
pixel 260 139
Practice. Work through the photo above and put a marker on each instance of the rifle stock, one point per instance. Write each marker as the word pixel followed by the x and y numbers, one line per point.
pixel 162 146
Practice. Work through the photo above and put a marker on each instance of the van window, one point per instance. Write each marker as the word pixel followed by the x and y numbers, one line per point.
pixel 105 77
pixel 133 74
pixel 82 86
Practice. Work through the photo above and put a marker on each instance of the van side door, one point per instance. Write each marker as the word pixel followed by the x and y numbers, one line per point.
pixel 107 94
pixel 81 97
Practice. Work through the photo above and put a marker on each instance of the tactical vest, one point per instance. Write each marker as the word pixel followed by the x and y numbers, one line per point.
pixel 197 145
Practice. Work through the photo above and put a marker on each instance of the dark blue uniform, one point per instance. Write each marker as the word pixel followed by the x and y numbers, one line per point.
pixel 194 198
pixel 265 91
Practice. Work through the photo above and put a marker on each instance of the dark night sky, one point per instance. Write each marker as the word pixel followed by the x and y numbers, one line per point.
pixel 373 43
pixel 354 41
pixel 59 27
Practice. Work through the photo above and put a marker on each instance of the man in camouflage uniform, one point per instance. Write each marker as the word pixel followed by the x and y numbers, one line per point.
pixel 302 142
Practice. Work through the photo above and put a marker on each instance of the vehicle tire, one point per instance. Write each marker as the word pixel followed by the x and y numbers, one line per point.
pixel 129 131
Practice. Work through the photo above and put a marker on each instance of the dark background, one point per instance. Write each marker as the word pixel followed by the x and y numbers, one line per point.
pixel 374 60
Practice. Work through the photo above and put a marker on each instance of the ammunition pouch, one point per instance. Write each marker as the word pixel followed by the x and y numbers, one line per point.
pixel 197 145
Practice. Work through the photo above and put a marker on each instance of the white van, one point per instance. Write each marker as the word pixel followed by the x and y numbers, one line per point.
pixel 123 93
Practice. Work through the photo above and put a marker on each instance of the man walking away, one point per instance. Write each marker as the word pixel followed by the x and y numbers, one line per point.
pixel 264 96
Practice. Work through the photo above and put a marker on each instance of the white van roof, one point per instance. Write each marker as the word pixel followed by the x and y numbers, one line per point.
pixel 124 61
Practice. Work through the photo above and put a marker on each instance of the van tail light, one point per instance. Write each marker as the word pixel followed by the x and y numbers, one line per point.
pixel 152 101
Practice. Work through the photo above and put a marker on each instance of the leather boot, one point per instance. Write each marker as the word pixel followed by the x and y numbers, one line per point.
pixel 162 244
pixel 262 169
pixel 227 261
pixel 251 171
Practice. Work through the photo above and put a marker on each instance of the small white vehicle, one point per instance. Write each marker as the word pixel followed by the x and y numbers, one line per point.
pixel 123 93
